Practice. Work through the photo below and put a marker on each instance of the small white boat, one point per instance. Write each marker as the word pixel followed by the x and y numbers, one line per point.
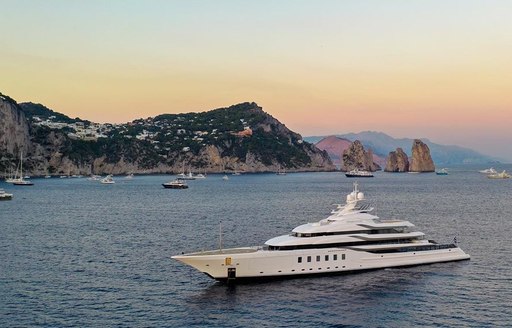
pixel 356 173
pixel 188 176
pixel 129 176
pixel 442 172
pixel 488 171
pixel 47 176
pixel 502 175
pixel 225 177
pixel 4 195
pixel 200 176
pixel 94 177
pixel 108 180
pixel 281 171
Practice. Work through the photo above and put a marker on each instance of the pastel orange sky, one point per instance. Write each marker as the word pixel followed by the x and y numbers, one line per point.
pixel 435 69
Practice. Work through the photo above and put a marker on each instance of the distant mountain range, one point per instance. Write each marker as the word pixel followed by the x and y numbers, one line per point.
pixel 382 144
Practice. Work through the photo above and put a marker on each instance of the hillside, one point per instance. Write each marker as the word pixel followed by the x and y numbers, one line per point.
pixel 240 137
pixel 382 144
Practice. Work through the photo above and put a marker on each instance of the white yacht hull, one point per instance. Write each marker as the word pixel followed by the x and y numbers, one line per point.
pixel 252 263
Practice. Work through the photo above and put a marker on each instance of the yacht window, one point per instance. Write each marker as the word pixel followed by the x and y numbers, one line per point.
pixel 335 257
pixel 327 257
pixel 342 256
pixel 309 258
pixel 318 258
pixel 299 260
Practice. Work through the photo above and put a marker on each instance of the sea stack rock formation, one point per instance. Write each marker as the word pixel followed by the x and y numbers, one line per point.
pixel 397 161
pixel 355 157
pixel 421 161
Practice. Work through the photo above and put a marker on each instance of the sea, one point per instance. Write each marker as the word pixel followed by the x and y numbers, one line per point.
pixel 76 253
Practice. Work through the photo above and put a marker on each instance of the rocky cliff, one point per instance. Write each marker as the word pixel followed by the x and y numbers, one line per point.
pixel 335 147
pixel 14 130
pixel 356 157
pixel 397 161
pixel 241 137
pixel 421 161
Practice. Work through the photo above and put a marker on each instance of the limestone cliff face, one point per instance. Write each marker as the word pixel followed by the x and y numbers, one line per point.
pixel 397 161
pixel 356 157
pixel 14 130
pixel 421 161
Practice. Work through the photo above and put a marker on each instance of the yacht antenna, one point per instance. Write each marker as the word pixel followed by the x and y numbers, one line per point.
pixel 220 236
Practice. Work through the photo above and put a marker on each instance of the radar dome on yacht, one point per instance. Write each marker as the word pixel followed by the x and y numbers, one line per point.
pixel 360 196
pixel 350 198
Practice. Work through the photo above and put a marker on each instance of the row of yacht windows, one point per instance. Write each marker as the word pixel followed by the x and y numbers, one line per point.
pixel 319 258
pixel 333 233
pixel 413 249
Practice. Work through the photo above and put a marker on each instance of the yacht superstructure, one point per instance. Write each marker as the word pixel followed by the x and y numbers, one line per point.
pixel 350 239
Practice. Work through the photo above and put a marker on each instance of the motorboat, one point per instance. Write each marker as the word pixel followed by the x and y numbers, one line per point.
pixel 175 184
pixel 108 179
pixel 129 176
pixel 94 177
pixel 488 171
pixel 4 195
pixel 442 172
pixel 200 176
pixel 225 178
pixel 502 175
pixel 356 173
pixel 351 239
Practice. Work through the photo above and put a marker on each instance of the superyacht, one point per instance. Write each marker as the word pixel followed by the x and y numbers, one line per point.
pixel 350 239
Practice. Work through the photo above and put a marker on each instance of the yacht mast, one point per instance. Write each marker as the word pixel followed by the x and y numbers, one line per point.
pixel 220 236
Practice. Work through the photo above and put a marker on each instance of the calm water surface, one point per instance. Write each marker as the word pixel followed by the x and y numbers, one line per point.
pixel 75 253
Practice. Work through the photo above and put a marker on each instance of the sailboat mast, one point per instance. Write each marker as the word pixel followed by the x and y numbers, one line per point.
pixel 21 165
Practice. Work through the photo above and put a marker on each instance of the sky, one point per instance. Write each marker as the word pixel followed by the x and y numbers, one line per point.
pixel 437 69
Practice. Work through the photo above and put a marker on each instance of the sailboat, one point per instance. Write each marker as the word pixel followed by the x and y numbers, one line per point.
pixel 281 171
pixel 21 181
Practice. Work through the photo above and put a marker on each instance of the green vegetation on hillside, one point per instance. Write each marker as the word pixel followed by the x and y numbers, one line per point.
pixel 169 139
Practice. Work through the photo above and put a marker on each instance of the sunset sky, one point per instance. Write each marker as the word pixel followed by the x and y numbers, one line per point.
pixel 435 69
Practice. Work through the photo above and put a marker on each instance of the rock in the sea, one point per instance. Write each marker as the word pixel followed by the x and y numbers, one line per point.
pixel 421 161
pixel 397 161
pixel 356 157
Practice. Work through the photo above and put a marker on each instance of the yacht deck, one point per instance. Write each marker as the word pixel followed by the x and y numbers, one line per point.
pixel 226 251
